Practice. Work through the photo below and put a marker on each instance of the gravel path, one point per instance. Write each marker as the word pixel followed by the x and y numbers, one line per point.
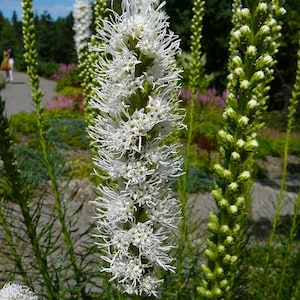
pixel 18 93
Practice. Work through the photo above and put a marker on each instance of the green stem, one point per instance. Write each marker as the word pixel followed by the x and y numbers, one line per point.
pixel 280 197
pixel 79 276
pixel 31 60
pixel 13 249
pixel 19 195
pixel 287 256
pixel 184 233
pixel 291 119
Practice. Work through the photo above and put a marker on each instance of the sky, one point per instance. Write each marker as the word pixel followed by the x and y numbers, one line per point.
pixel 56 8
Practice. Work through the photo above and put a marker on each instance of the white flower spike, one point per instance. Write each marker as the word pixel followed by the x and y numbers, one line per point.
pixel 136 99
pixel 82 19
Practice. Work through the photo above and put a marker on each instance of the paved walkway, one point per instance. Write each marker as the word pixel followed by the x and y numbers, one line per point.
pixel 18 93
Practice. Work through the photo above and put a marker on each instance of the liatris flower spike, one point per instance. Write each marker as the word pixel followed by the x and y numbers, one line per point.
pixel 82 20
pixel 82 14
pixel 253 45
pixel 136 211
pixel 12 291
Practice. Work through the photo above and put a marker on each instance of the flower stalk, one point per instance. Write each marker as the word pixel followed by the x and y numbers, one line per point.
pixel 292 109
pixel 82 13
pixel 137 112
pixel 253 45
pixel 30 57
pixel 195 81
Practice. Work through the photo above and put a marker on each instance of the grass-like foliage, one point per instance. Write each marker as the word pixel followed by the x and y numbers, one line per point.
pixel 140 230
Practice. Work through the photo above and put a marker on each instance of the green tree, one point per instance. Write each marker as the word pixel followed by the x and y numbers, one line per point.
pixel 45 32
pixel 216 29
pixel 64 48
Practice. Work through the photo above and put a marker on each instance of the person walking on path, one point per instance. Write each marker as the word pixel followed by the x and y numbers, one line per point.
pixel 9 54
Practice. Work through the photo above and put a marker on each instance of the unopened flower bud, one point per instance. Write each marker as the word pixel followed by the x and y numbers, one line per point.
pixel 237 60
pixel 222 172
pixel 213 224
pixel 245 84
pixel 226 137
pixel 240 143
pixel 233 259
pixel 236 228
pixel 243 121
pixel 207 272
pixel 221 249
pixel 251 145
pixel 233 186
pixel 224 228
pixel 240 201
pixel 230 77
pixel 245 175
pixel 227 259
pixel 252 104
pixel 235 156
pixel 217 292
pixel 282 11
pixel 223 203
pixel 272 22
pixel 210 254
pixel 217 194
pixel 233 209
pixel 229 240
pixel 224 283
pixel 264 30
pixel 251 51
pixel 262 7
pixel 245 29
pixel 239 71
pixel 229 113
pixel 258 76
pixel 237 34
pixel 245 13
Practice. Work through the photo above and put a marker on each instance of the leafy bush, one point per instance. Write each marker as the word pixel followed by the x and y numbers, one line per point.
pixel 67 133
pixel 256 287
pixel 31 162
pixel 68 78
pixel 70 91
pixel 66 127
pixel 207 117
pixel 276 119
pixel 198 180
pixel 80 167
pixel 274 145
pixel 63 113
pixel 46 69
pixel 24 122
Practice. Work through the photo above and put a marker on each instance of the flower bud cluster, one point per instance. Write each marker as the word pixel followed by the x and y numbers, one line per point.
pixel 31 55
pixel 136 211
pixel 82 20
pixel 196 67
pixel 82 14
pixel 253 45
